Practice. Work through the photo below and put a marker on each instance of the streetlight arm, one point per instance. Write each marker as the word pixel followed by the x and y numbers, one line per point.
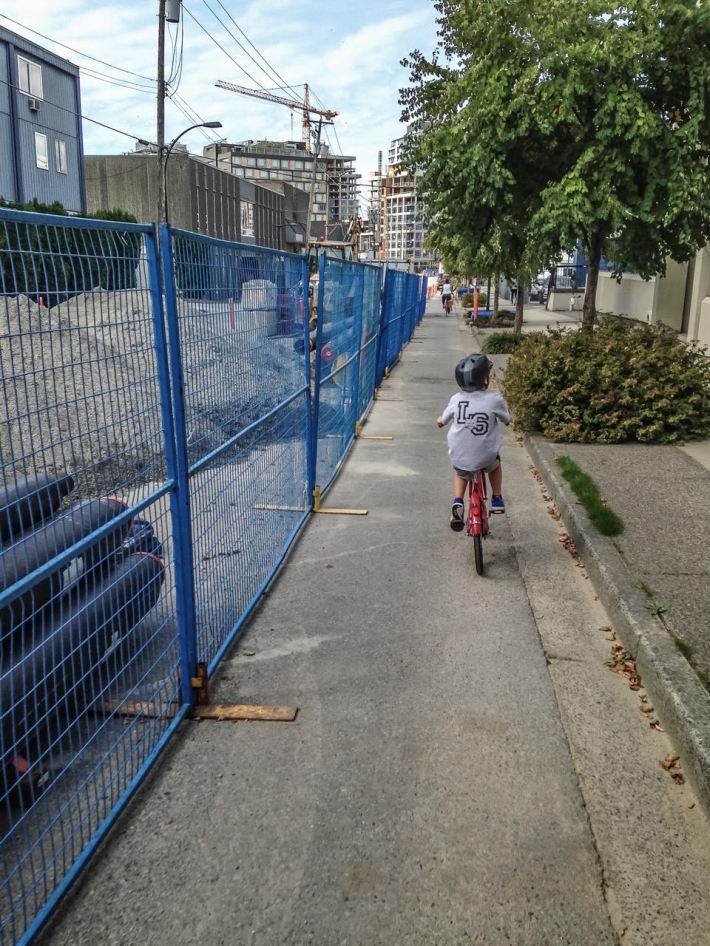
pixel 165 154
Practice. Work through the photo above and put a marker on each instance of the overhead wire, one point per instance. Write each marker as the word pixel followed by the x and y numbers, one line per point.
pixel 78 52
pixel 241 45
pixel 81 115
pixel 279 78
pixel 221 47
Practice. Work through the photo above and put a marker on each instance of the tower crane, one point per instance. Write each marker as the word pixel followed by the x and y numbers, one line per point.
pixel 304 106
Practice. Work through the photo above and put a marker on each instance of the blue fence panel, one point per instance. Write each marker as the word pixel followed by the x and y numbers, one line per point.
pixel 371 309
pixel 236 317
pixel 337 364
pixel 89 590
pixel 150 485
pixel 396 303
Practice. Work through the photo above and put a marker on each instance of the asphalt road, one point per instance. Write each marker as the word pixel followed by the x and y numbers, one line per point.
pixel 464 768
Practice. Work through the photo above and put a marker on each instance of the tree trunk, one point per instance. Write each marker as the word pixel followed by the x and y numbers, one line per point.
pixel 589 312
pixel 519 305
pixel 496 296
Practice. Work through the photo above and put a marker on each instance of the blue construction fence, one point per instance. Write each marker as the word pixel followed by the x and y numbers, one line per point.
pixel 169 406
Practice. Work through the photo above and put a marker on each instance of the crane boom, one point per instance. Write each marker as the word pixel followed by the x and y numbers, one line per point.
pixel 268 97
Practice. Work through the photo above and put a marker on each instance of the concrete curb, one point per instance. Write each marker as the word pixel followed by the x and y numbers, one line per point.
pixel 681 702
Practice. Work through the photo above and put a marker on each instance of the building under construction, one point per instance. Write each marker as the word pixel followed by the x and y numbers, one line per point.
pixel 272 163
pixel 395 209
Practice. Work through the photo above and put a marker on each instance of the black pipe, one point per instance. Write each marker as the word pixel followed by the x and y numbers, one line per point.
pixel 46 542
pixel 29 502
pixel 58 667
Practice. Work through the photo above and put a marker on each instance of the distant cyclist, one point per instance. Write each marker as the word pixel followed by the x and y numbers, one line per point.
pixel 447 296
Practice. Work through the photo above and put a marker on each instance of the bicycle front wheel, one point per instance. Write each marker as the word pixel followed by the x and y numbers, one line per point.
pixel 478 553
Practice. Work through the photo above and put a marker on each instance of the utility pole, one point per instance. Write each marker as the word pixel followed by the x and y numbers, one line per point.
pixel 312 193
pixel 160 129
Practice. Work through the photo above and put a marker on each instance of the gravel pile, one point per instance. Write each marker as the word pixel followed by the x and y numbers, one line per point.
pixel 79 387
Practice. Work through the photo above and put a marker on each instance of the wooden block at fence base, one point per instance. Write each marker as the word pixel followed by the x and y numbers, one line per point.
pixel 375 437
pixel 139 708
pixel 341 512
pixel 232 712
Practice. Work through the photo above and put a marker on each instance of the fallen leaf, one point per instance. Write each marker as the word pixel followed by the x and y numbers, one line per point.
pixel 329 565
pixel 678 778
pixel 248 653
pixel 654 724
pixel 646 709
pixel 606 629
pixel 690 807
pixel 668 761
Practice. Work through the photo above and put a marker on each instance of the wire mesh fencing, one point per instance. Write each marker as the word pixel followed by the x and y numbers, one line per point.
pixel 400 308
pixel 370 321
pixel 161 435
pixel 236 316
pixel 337 366
pixel 88 631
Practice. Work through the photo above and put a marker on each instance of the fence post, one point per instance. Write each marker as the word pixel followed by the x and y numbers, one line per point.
pixel 311 438
pixel 382 334
pixel 359 296
pixel 180 494
pixel 316 380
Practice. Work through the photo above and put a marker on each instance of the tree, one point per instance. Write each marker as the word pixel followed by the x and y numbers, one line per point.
pixel 558 122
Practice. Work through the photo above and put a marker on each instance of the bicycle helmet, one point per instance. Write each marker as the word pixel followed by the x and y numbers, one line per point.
pixel 472 372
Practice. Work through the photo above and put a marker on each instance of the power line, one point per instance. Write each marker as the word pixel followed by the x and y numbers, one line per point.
pixel 77 51
pixel 219 46
pixel 86 118
pixel 193 116
pixel 241 45
pixel 124 83
pixel 279 78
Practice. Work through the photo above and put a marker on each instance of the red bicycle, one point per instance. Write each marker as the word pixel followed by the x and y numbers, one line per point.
pixel 448 303
pixel 477 520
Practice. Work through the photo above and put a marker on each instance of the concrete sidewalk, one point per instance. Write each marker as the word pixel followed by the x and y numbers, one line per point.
pixel 661 560
pixel 449 779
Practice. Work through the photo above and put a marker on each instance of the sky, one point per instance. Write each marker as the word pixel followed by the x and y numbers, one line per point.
pixel 349 53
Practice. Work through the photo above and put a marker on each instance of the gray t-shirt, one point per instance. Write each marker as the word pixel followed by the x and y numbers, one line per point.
pixel 474 437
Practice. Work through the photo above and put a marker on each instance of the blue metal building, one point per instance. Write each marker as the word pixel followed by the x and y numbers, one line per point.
pixel 41 147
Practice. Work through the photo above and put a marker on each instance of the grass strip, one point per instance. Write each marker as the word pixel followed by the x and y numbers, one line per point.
pixel 585 489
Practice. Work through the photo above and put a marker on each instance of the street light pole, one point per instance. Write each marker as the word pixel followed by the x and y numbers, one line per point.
pixel 165 154
pixel 160 130
pixel 312 193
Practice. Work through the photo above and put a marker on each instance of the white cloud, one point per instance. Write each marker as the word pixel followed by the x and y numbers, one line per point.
pixel 349 54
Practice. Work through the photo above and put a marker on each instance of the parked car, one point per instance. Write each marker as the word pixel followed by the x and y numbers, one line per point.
pixel 538 291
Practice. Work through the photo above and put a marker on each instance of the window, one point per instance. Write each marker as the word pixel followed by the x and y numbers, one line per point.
pixel 60 155
pixel 41 152
pixel 29 77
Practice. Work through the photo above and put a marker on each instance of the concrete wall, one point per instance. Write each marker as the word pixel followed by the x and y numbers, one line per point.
pixel 699 296
pixel 633 296
pixel 564 300
pixel 703 323
pixel 201 198
pixel 670 296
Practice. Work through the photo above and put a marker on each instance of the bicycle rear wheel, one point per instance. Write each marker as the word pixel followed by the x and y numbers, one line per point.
pixel 478 553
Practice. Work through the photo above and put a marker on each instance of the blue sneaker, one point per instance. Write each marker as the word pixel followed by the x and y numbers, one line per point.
pixel 497 506
pixel 456 521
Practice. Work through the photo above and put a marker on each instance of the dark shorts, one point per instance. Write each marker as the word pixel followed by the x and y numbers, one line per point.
pixel 469 475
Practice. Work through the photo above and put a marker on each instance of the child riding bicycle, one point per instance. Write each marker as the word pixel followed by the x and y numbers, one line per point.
pixel 474 438
pixel 447 296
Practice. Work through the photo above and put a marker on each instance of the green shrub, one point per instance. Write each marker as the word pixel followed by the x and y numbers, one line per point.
pixel 56 262
pixel 501 343
pixel 621 382
pixel 467 300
